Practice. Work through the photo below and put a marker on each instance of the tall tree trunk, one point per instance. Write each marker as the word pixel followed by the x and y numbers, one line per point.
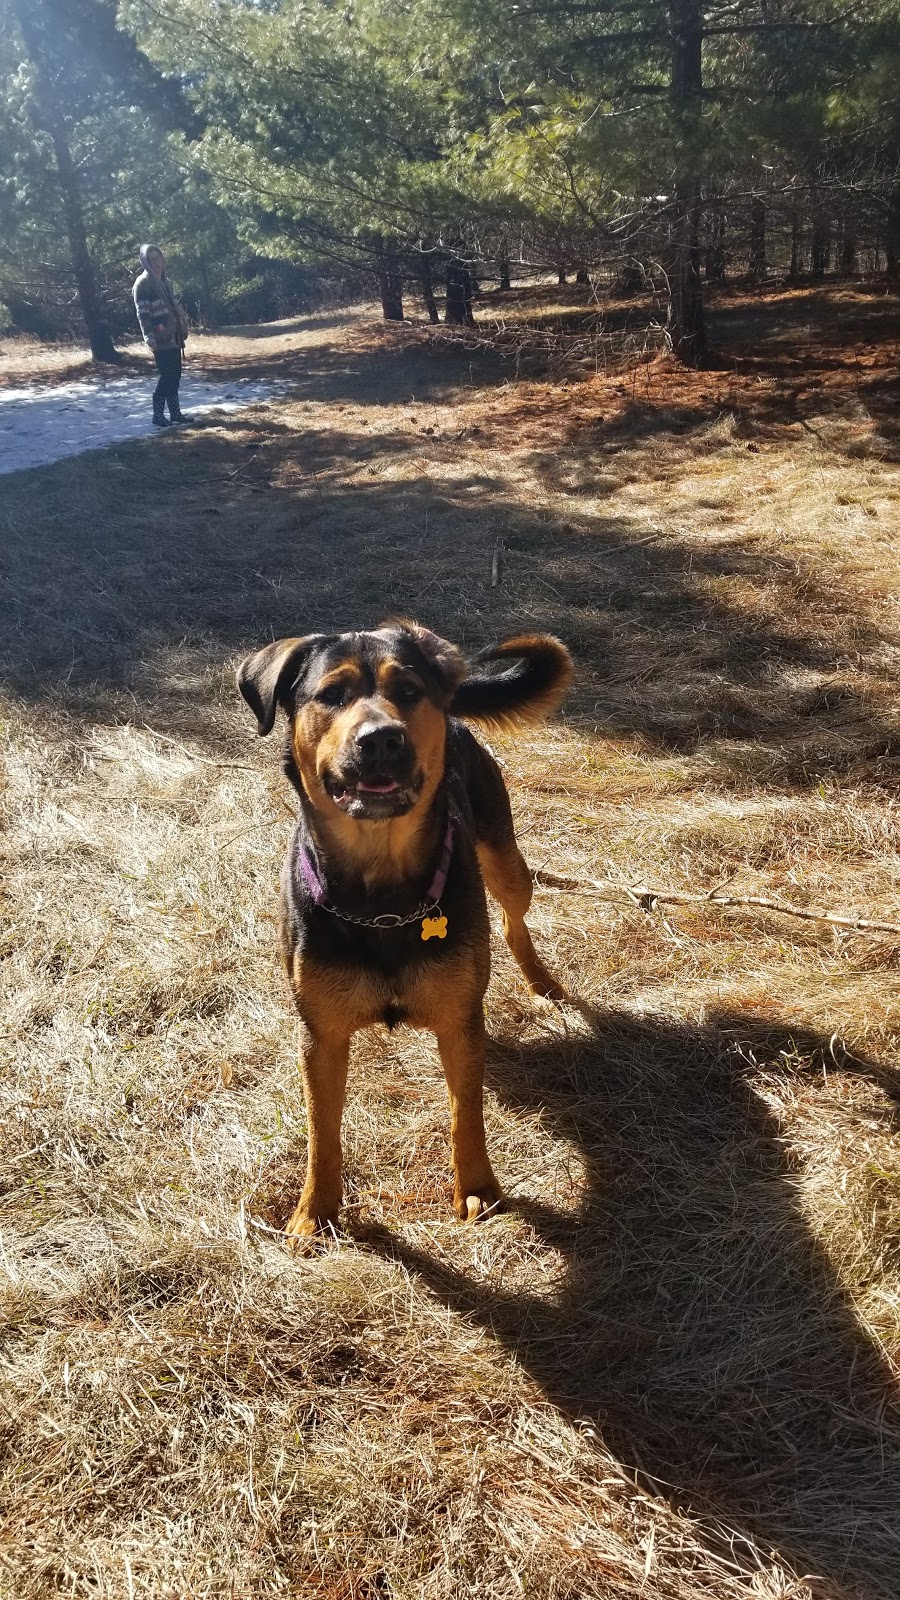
pixel 687 323
pixel 687 327
pixel 99 336
pixel 757 261
pixel 505 283
pixel 209 304
pixel 796 241
pixel 427 284
pixel 48 118
pixel 820 248
pixel 561 275
pixel 458 307
pixel 390 284
pixel 892 240
pixel 715 249
pixel 849 245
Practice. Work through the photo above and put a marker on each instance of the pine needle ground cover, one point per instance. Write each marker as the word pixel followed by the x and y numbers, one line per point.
pixel 671 1368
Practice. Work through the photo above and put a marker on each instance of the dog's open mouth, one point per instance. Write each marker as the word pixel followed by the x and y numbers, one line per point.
pixel 379 795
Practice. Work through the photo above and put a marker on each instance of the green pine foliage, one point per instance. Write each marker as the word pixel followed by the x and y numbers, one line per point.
pixel 399 136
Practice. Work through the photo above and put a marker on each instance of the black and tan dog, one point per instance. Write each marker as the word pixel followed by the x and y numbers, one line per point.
pixel 404 817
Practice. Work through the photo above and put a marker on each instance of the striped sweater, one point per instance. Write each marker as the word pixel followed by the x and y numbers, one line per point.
pixel 163 322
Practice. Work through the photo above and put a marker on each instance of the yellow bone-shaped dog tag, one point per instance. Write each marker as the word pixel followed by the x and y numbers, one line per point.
pixel 434 927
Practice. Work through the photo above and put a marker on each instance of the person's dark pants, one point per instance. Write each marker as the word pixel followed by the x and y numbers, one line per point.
pixel 168 364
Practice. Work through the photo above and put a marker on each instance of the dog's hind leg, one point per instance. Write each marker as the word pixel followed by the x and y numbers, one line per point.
pixel 503 867
pixel 324 1065
pixel 508 879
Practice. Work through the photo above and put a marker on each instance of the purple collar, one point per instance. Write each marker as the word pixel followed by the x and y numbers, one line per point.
pixel 389 919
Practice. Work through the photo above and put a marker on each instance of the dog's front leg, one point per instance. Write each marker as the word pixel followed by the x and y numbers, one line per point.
pixel 461 1045
pixel 323 1062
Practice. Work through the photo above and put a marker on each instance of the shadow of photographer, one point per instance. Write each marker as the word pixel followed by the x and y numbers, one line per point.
pixel 700 1325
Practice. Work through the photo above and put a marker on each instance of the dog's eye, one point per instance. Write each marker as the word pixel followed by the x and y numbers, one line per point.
pixel 406 694
pixel 335 694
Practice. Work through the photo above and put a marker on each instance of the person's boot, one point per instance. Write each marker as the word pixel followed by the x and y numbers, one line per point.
pixel 176 413
pixel 159 414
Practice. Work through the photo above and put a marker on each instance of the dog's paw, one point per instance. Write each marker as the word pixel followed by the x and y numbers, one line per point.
pixel 479 1204
pixel 304 1244
pixel 547 991
pixel 307 1229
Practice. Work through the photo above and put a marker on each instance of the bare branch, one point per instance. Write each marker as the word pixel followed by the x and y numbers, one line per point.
pixel 647 898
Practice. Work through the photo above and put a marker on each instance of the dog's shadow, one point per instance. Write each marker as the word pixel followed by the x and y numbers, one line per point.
pixel 701 1326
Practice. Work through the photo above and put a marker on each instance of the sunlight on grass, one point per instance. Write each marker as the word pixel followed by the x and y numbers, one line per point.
pixel 670 1368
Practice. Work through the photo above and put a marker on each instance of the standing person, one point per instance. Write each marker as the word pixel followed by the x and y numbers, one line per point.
pixel 164 325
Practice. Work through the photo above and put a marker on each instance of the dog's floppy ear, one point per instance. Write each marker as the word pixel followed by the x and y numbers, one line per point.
pixel 265 677
pixel 448 662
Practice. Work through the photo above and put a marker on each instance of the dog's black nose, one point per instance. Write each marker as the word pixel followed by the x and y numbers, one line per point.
pixel 381 741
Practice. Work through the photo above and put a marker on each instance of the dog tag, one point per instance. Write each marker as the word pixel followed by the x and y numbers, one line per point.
pixel 434 927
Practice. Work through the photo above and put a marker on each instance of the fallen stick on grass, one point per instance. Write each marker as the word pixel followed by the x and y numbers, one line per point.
pixel 642 895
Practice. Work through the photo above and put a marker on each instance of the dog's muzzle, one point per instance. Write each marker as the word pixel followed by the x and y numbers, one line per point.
pixel 377 777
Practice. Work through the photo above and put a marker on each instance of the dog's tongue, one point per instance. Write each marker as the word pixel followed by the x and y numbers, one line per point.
pixel 379 788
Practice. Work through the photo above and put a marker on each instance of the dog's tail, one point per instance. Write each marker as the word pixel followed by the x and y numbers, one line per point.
pixel 527 691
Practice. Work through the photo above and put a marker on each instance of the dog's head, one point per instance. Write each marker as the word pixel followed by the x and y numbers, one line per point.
pixel 367 714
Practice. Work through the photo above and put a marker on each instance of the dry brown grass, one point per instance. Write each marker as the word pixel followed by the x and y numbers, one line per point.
pixel 26 360
pixel 670 1370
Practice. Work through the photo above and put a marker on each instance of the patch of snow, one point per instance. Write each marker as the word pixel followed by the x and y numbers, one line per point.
pixel 40 424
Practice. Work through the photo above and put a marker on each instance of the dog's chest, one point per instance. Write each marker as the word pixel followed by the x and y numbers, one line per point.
pixel 344 970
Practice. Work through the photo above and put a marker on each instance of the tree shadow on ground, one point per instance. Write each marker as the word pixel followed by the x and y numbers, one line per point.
pixel 700 1326
pixel 819 358
pixel 135 576
pixel 788 360
pixel 382 366
pixel 284 326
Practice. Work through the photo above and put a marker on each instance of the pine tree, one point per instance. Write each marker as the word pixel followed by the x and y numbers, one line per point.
pixel 74 86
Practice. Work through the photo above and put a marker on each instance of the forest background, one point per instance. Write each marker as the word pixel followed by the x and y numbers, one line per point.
pixel 290 152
